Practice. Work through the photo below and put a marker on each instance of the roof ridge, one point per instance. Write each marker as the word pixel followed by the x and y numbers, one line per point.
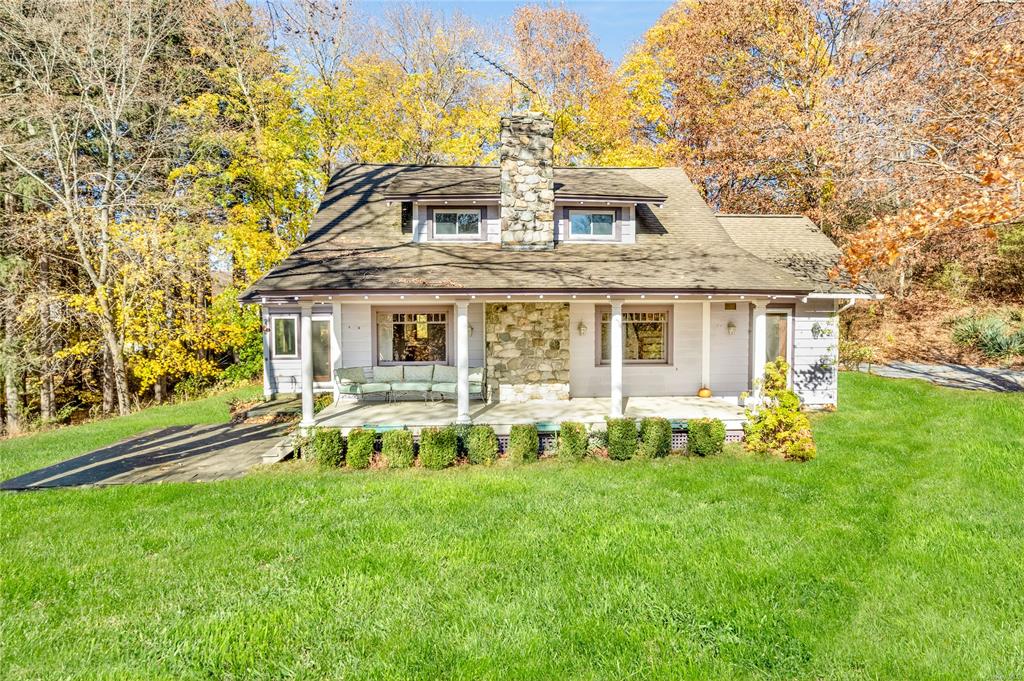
pixel 760 215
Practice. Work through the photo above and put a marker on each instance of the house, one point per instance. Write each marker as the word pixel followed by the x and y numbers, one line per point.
pixel 550 286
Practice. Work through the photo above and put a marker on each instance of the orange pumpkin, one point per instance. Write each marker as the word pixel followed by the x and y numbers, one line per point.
pixel 704 392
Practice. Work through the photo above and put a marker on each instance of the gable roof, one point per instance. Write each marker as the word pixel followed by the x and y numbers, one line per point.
pixel 356 243
pixel 481 181
pixel 792 242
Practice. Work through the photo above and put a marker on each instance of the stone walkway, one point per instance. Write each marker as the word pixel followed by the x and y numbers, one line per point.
pixel 177 454
pixel 953 375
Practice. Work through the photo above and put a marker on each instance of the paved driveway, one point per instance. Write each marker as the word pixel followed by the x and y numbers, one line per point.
pixel 953 375
pixel 177 454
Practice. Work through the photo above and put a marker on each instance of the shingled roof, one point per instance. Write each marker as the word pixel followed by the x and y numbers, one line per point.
pixel 479 181
pixel 792 242
pixel 356 243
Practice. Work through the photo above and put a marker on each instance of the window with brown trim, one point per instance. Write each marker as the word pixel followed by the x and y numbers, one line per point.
pixel 646 334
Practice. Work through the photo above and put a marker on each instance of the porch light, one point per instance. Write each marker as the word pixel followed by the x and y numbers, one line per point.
pixel 470 329
pixel 581 329
pixel 731 328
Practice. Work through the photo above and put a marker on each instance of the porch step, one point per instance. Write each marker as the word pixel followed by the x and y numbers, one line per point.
pixel 280 450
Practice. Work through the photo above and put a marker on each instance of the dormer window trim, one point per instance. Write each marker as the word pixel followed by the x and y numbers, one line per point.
pixel 616 216
pixel 479 211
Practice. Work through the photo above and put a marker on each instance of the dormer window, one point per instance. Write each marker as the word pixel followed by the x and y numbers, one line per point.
pixel 457 223
pixel 592 224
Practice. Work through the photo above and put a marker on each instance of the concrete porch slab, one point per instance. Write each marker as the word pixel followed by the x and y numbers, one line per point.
pixel 502 415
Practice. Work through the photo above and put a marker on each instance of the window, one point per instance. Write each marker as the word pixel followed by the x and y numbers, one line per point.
pixel 410 337
pixel 283 329
pixel 777 341
pixel 594 224
pixel 456 223
pixel 645 335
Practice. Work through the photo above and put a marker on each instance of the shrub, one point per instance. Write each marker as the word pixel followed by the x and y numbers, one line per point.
pixel 572 441
pixel 360 448
pixel 396 448
pixel 523 443
pixel 439 447
pixel 462 438
pixel 326 447
pixel 991 335
pixel 597 443
pixel 621 438
pixel 705 436
pixel 482 445
pixel 778 426
pixel 655 438
pixel 852 354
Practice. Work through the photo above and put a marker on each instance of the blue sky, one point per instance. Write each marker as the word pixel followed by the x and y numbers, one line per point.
pixel 616 24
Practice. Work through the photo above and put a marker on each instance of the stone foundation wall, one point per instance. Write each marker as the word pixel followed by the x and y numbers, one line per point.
pixel 528 351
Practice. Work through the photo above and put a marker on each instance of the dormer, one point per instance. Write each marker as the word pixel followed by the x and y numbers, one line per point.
pixel 525 203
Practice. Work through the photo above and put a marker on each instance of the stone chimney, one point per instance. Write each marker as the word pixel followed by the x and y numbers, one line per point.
pixel 527 181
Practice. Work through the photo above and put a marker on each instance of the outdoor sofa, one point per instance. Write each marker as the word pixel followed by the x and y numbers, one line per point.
pixel 431 381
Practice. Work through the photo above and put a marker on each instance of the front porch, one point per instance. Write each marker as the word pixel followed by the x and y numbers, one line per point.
pixel 502 415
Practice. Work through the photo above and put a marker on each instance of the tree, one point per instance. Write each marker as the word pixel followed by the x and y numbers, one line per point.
pixel 89 122
pixel 734 92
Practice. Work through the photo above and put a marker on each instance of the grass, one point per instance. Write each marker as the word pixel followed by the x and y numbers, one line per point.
pixel 896 554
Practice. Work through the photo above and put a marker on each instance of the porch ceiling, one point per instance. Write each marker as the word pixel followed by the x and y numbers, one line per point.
pixel 502 415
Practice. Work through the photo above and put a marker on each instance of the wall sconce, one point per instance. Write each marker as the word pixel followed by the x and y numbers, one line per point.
pixel 731 328
pixel 581 329
pixel 470 329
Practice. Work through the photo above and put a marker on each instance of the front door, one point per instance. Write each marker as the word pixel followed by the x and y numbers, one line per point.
pixel 321 350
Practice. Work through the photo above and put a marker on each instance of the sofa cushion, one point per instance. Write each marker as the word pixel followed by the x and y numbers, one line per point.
pixel 476 374
pixel 350 388
pixel 413 386
pixel 375 388
pixel 416 373
pixel 350 375
pixel 453 388
pixel 446 374
pixel 387 374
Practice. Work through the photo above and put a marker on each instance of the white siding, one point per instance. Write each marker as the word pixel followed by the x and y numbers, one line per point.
pixel 477 340
pixel 355 335
pixel 816 352
pixel 285 375
pixel 682 377
pixel 730 354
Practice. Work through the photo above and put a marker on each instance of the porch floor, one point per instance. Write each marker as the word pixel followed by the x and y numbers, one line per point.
pixel 502 415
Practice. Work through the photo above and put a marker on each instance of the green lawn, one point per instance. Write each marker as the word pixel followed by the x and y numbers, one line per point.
pixel 899 553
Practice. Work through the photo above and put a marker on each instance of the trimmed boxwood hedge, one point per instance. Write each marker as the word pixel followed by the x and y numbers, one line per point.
pixel 572 441
pixel 621 438
pixel 439 447
pixel 360 448
pixel 482 445
pixel 396 448
pixel 705 436
pixel 523 443
pixel 655 438
pixel 326 447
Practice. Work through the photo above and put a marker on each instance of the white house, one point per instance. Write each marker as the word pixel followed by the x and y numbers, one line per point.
pixel 525 288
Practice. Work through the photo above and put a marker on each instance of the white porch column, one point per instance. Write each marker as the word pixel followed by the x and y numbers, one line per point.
pixel 462 359
pixel 758 342
pixel 705 345
pixel 335 346
pixel 615 328
pixel 268 390
pixel 306 361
